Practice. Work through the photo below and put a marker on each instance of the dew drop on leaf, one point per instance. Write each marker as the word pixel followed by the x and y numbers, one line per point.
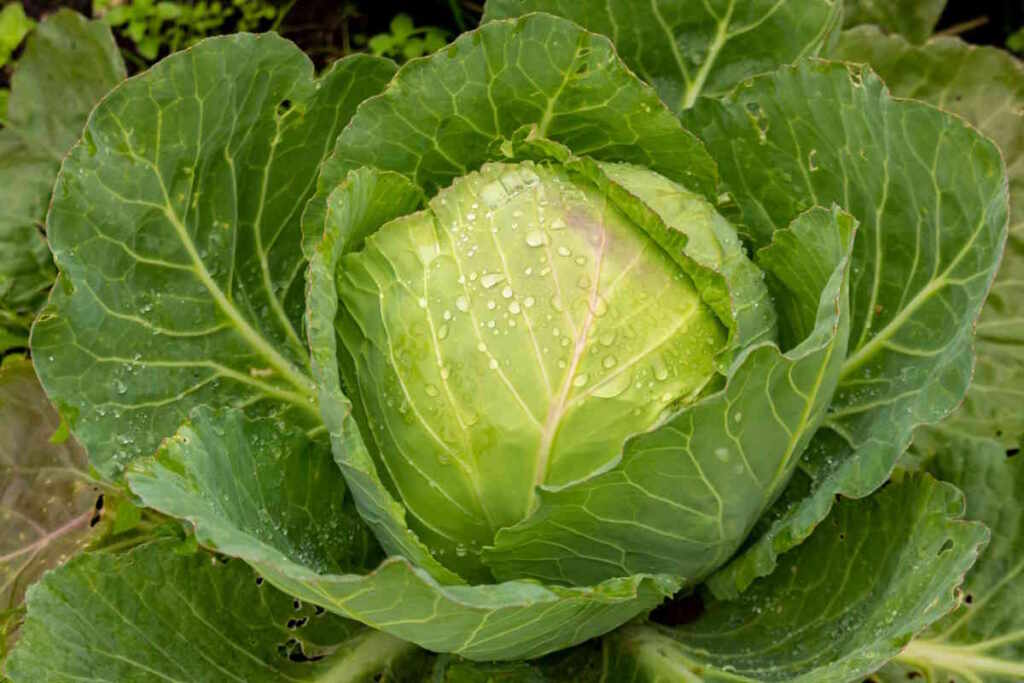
pixel 536 238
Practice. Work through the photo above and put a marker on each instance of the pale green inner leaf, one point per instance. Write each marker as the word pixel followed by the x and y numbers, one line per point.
pixel 514 336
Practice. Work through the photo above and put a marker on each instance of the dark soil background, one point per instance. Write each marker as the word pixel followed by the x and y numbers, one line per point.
pixel 1001 18
pixel 328 29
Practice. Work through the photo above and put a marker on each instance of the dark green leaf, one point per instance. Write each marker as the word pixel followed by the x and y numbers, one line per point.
pixel 873 575
pixel 175 224
pixel 690 48
pixel 442 115
pixel 982 640
pixel 153 615
pixel 68 63
pixel 986 87
pixel 930 195
pixel 915 19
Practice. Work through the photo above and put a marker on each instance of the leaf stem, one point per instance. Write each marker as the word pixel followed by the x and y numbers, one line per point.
pixel 964 26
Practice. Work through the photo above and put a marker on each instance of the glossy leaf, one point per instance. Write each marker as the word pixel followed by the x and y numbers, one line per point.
pixel 930 195
pixel 986 87
pixel 693 48
pixel 442 115
pixel 224 473
pixel 154 614
pixel 68 63
pixel 175 224
pixel 873 575
pixel 687 493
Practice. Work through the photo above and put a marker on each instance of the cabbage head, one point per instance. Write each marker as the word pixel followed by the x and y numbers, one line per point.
pixel 496 352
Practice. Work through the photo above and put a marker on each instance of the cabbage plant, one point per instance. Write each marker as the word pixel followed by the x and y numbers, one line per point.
pixel 552 344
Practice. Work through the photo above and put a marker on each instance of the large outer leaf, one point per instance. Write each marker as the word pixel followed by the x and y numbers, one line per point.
pixel 153 614
pixel 877 572
pixel 983 639
pixel 986 87
pixel 224 473
pixel 930 193
pixel 441 117
pixel 175 224
pixel 47 498
pixel 67 65
pixel 915 19
pixel 695 47
pixel 687 493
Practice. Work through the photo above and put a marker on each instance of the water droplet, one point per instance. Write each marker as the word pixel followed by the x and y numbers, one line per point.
pixel 564 251
pixel 447 315
pixel 431 390
pixel 609 362
pixel 584 282
pixel 606 339
pixel 722 453
pixel 660 369
pixel 491 305
pixel 493 194
pixel 513 308
pixel 120 387
pixel 491 279
pixel 493 365
pixel 580 380
pixel 445 373
pixel 529 302
pixel 442 332
pixel 557 224
pixel 462 303
pixel 481 347
pixel 737 416
pixel 536 238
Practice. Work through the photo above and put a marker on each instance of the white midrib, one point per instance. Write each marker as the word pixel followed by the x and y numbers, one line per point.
pixel 287 370
pixel 557 409
pixel 961 659
pixel 855 360
pixel 694 88
pixel 275 303
pixel 251 336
